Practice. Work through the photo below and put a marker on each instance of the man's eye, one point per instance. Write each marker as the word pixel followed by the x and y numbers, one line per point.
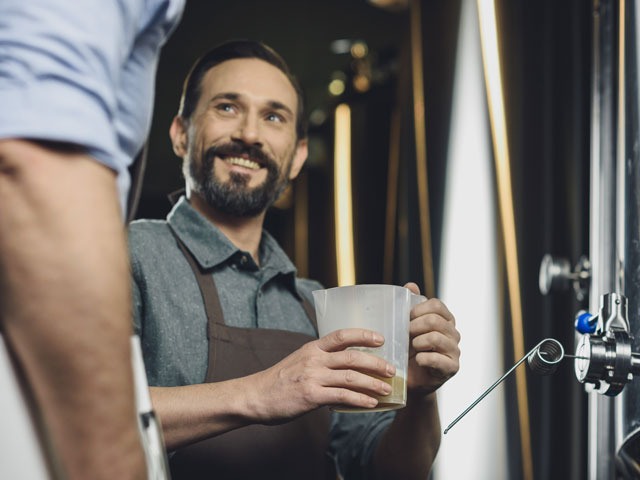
pixel 274 117
pixel 225 107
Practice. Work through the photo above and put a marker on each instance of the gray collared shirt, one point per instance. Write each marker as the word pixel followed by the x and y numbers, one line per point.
pixel 170 318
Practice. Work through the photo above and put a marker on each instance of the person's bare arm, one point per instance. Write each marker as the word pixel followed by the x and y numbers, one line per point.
pixel 65 306
pixel 409 446
pixel 320 373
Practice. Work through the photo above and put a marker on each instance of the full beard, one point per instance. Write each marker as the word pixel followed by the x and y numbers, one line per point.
pixel 235 197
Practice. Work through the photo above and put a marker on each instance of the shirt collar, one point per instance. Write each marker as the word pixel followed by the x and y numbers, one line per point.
pixel 210 247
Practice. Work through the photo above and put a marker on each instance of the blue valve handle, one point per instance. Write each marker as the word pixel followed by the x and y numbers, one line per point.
pixel 586 323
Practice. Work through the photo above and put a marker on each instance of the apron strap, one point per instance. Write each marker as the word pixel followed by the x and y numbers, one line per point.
pixel 210 295
pixel 311 313
pixel 207 286
pixel 136 171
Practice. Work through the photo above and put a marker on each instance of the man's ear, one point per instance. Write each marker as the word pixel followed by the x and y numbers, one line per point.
pixel 299 157
pixel 178 134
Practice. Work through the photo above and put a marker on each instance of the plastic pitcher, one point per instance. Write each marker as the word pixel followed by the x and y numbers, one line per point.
pixel 383 309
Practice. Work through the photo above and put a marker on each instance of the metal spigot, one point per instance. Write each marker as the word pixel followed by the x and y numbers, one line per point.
pixel 605 362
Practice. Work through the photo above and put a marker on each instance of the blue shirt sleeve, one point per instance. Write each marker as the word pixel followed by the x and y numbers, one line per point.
pixel 69 69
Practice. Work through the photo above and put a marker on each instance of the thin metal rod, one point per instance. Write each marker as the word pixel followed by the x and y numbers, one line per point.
pixel 566 355
pixel 489 390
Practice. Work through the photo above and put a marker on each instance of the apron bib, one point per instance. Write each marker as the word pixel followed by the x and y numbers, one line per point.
pixel 293 450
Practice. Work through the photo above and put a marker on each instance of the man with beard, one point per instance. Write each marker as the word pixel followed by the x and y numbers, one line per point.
pixel 240 381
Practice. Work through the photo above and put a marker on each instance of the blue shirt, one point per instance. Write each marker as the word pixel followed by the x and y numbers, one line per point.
pixel 169 314
pixel 170 318
pixel 83 72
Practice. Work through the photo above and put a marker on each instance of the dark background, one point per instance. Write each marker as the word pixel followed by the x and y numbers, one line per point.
pixel 546 48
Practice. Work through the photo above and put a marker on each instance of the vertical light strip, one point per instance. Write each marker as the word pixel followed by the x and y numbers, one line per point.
pixel 342 199
pixel 468 279
pixel 619 405
pixel 495 98
pixel 392 196
pixel 301 224
pixel 621 153
pixel 595 229
pixel 421 146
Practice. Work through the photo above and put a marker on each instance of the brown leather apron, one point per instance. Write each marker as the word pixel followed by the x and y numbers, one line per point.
pixel 293 450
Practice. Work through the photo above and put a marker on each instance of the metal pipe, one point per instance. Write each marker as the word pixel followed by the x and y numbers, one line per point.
pixel 602 221
pixel 627 433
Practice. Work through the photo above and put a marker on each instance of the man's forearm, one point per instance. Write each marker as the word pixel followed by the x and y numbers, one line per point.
pixel 409 446
pixel 192 413
pixel 65 304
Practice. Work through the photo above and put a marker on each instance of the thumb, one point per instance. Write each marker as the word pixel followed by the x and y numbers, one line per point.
pixel 413 287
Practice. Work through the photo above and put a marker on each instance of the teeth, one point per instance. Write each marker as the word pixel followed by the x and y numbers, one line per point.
pixel 243 162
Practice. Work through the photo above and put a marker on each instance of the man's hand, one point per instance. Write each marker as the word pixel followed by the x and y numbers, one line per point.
pixel 320 373
pixel 409 446
pixel 433 352
pixel 323 372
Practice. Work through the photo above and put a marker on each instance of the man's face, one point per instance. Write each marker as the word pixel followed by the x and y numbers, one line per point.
pixel 241 139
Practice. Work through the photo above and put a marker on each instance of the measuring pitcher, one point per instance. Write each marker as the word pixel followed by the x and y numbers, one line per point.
pixel 383 309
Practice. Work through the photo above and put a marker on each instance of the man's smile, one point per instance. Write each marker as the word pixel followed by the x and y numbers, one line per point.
pixel 242 162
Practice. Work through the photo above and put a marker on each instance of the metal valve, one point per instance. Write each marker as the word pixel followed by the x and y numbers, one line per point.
pixel 604 360
pixel 556 275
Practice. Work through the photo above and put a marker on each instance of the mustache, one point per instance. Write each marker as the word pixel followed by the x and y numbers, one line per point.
pixel 255 153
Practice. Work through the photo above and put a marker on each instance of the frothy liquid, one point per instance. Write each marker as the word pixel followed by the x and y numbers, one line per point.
pixel 396 399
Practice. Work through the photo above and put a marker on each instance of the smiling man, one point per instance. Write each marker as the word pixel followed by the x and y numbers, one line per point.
pixel 243 144
pixel 240 380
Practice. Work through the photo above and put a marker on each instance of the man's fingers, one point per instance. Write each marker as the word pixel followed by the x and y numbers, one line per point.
pixel 344 397
pixel 358 382
pixel 440 366
pixel 433 323
pixel 349 337
pixel 436 342
pixel 360 361
pixel 433 306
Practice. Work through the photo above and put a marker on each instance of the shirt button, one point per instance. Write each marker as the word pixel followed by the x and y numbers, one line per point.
pixel 259 293
pixel 243 260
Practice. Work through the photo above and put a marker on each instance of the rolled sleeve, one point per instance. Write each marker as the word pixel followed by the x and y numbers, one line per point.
pixel 60 65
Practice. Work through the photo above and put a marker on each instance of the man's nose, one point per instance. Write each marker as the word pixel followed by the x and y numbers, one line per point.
pixel 248 130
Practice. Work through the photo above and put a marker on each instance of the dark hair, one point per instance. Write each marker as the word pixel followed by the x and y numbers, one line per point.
pixel 192 88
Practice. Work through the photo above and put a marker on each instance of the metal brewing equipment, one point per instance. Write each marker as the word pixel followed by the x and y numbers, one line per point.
pixel 608 362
